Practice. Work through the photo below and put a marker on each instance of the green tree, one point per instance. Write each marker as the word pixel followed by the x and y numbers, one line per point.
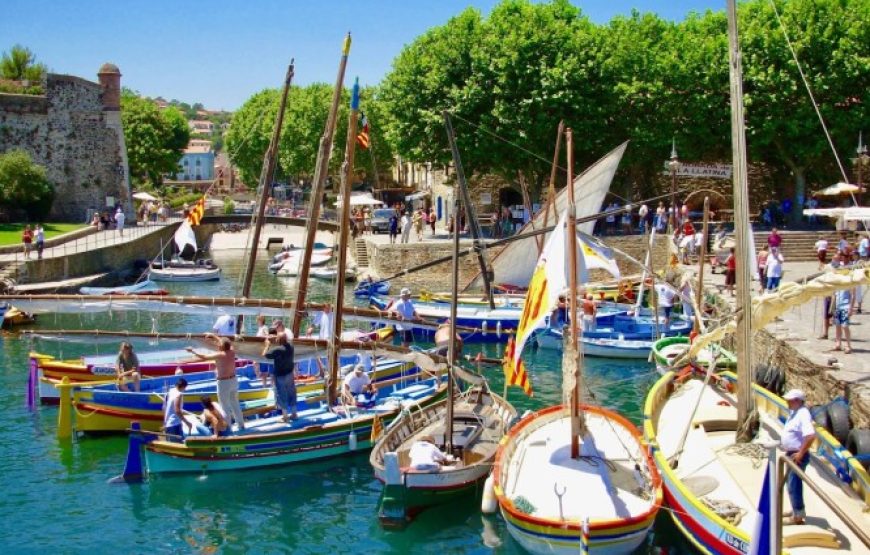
pixel 24 185
pixel 20 63
pixel 155 138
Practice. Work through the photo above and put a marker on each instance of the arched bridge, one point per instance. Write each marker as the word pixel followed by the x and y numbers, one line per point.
pixel 322 225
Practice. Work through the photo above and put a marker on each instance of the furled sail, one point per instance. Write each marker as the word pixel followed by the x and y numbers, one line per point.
pixel 516 262
pixel 185 240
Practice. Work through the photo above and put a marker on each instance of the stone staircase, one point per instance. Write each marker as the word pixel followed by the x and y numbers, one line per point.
pixel 798 246
pixel 361 253
pixel 10 273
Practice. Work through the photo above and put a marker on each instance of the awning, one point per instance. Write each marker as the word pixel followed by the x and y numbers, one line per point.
pixel 144 196
pixel 838 189
pixel 849 214
pixel 418 195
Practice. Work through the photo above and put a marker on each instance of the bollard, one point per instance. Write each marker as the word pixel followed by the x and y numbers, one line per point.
pixel 32 380
pixel 64 412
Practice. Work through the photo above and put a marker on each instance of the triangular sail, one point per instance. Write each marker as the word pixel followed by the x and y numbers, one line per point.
pixel 185 240
pixel 516 262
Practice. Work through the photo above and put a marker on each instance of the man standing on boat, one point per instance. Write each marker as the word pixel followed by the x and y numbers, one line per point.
pixel 227 382
pixel 323 321
pixel 224 325
pixel 405 310
pixel 285 378
pixel 174 416
pixel 797 437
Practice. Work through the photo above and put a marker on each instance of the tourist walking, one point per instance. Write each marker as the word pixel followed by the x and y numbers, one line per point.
pixel 864 248
pixel 174 415
pixel 285 378
pixel 774 269
pixel 626 220
pixel 642 214
pixel 406 227
pixel 761 262
pixel 774 239
pixel 822 252
pixel 418 223
pixel 40 241
pixel 227 382
pixel 215 417
pixel 432 220
pixel 119 220
pixel 844 308
pixel 731 271
pixel 797 437
pixel 394 228
pixel 27 240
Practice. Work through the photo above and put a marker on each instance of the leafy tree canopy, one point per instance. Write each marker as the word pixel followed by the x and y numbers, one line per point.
pixel 24 185
pixel 20 63
pixel 155 138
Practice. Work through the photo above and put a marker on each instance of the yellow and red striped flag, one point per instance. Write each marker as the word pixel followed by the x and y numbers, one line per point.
pixel 195 214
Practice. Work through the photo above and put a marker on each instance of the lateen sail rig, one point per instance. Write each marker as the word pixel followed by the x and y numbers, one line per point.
pixel 185 240
pixel 514 265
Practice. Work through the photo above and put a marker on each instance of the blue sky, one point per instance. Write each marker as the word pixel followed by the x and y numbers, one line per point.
pixel 220 52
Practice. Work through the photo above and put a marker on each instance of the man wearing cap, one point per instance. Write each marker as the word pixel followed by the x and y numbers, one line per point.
pixel 356 383
pixel 797 436
pixel 426 456
pixel 405 310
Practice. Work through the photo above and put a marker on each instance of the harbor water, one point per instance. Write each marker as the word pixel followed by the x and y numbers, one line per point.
pixel 66 503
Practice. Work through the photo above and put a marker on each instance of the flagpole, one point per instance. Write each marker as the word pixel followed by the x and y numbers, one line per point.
pixel 551 191
pixel 577 424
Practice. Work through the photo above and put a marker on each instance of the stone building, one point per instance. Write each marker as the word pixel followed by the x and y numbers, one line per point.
pixel 74 131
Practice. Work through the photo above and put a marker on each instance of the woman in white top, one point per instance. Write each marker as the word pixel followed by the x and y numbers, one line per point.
pixel 774 269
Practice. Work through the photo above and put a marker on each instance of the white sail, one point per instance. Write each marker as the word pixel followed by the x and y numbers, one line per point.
pixel 516 262
pixel 185 237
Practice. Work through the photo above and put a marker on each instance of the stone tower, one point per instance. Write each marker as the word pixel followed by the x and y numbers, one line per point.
pixel 110 80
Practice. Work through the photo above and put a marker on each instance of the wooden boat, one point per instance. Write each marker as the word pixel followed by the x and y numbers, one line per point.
pixel 184 270
pixel 290 250
pixel 146 287
pixel 480 419
pixel 12 316
pixel 330 273
pixel 318 433
pixel 103 408
pixel 290 267
pixel 712 473
pixel 549 338
pixel 554 504
pixel 624 326
pixel 667 350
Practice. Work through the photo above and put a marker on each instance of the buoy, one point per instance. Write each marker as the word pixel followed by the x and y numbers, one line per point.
pixel 498 329
pixel 483 327
pixel 351 441
pixel 392 470
pixel 488 504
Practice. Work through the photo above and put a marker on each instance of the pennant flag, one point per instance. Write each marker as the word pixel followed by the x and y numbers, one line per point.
pixel 195 214
pixel 594 254
pixel 377 429
pixel 548 281
pixel 763 540
pixel 362 138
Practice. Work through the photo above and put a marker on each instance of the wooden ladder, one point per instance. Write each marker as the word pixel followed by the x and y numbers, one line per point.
pixel 361 253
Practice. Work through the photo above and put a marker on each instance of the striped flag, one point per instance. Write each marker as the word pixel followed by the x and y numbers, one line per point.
pixel 594 254
pixel 362 138
pixel 548 281
pixel 377 429
pixel 195 214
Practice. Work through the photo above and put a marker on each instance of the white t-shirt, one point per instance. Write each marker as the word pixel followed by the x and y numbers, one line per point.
pixel 821 245
pixel 798 427
pixel 666 296
pixel 324 322
pixel 119 218
pixel 357 383
pixel 406 310
pixel 863 246
pixel 224 325
pixel 643 211
pixel 774 265
pixel 423 454
pixel 263 331
pixel 171 418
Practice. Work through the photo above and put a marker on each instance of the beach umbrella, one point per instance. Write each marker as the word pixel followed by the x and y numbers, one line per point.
pixel 144 196
pixel 361 200
pixel 838 189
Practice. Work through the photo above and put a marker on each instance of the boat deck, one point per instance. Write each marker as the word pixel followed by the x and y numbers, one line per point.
pixel 717 471
pixel 542 469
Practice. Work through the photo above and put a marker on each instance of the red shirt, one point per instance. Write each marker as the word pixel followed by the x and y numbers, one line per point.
pixel 731 262
pixel 774 240
pixel 688 228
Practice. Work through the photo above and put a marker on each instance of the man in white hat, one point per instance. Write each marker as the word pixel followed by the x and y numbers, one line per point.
pixel 404 309
pixel 797 437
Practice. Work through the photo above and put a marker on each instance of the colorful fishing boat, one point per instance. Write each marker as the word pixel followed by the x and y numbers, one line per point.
pixel 369 288
pixel 667 350
pixel 549 338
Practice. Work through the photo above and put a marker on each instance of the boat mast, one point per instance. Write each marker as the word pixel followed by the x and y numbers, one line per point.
pixel 551 190
pixel 473 224
pixel 341 263
pixel 266 177
pixel 451 349
pixel 746 420
pixel 578 424
pixel 699 294
pixel 321 169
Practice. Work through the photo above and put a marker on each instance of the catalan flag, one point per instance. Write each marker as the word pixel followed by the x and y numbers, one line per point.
pixel 362 138
pixel 515 370
pixel 377 429
pixel 195 214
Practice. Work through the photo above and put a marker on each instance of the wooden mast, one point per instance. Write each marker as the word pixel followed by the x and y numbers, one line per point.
pixel 451 349
pixel 266 177
pixel 551 190
pixel 473 224
pixel 321 170
pixel 702 255
pixel 578 425
pixel 344 219
pixel 745 419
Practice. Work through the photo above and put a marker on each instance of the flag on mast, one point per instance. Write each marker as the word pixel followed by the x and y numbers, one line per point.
pixel 548 282
pixel 362 138
pixel 195 214
pixel 593 254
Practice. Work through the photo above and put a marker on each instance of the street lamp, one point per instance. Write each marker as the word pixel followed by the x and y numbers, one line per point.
pixel 860 162
pixel 673 164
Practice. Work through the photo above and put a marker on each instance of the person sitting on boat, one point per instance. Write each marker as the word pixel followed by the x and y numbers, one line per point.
pixel 559 317
pixel 590 311
pixel 323 321
pixel 426 456
pixel 666 301
pixel 797 437
pixel 358 383
pixel 224 325
pixel 285 378
pixel 215 417
pixel 173 417
pixel 227 382
pixel 442 340
pixel 404 309
pixel 127 367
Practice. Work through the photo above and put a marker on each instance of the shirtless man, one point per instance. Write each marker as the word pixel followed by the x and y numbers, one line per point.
pixel 442 340
pixel 225 368
pixel 590 310
pixel 214 417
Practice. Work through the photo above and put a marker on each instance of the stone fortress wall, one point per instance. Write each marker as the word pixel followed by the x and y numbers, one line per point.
pixel 74 132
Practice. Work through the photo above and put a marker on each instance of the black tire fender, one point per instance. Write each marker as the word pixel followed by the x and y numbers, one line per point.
pixel 859 444
pixel 838 413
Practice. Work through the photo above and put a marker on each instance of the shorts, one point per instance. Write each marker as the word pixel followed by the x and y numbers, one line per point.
pixel 823 256
pixel 407 336
pixel 730 277
pixel 668 310
pixel 841 317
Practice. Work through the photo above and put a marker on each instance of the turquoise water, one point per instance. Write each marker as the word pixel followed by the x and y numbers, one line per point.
pixel 66 504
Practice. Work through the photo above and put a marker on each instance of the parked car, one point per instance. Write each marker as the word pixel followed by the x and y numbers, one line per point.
pixel 381 219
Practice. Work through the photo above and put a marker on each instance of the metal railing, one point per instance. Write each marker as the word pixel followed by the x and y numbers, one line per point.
pixel 781 476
